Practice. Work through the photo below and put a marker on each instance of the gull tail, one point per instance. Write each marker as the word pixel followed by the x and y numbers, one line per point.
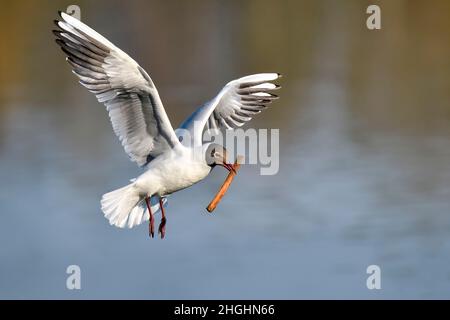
pixel 126 207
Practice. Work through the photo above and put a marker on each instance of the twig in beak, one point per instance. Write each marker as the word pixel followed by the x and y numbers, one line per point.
pixel 229 167
pixel 226 184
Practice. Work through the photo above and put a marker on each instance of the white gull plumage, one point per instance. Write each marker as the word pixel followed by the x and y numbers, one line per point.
pixel 141 123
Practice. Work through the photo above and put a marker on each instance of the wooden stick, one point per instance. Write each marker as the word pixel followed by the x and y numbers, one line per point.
pixel 226 184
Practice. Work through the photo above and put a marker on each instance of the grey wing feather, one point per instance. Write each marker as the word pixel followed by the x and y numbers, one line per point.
pixel 131 99
pixel 236 104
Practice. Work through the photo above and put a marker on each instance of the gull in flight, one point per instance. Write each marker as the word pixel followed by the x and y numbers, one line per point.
pixel 139 120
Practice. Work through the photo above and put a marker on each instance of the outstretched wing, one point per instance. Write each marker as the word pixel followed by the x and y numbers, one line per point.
pixel 235 105
pixel 133 103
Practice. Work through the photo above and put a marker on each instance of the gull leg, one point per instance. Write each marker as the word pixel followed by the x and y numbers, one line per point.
pixel 162 225
pixel 151 225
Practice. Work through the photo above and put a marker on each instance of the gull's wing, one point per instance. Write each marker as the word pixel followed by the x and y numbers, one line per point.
pixel 235 105
pixel 133 103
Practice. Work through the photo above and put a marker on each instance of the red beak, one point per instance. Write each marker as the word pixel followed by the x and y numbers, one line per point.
pixel 229 167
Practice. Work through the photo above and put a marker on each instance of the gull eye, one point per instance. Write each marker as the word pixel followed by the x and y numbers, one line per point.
pixel 213 152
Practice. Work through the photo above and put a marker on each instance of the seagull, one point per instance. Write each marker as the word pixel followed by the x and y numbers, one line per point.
pixel 139 120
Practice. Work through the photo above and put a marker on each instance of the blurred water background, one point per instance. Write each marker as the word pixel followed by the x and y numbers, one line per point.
pixel 364 166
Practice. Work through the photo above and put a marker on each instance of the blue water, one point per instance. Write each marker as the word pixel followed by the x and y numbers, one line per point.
pixel 364 165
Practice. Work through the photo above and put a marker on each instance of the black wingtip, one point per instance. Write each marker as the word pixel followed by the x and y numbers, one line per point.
pixel 56 22
pixel 63 48
pixel 279 75
pixel 60 44
pixel 60 13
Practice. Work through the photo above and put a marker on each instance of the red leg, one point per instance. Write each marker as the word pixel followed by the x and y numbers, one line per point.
pixel 151 225
pixel 162 225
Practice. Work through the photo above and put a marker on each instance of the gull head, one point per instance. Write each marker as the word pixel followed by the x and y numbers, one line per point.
pixel 216 155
